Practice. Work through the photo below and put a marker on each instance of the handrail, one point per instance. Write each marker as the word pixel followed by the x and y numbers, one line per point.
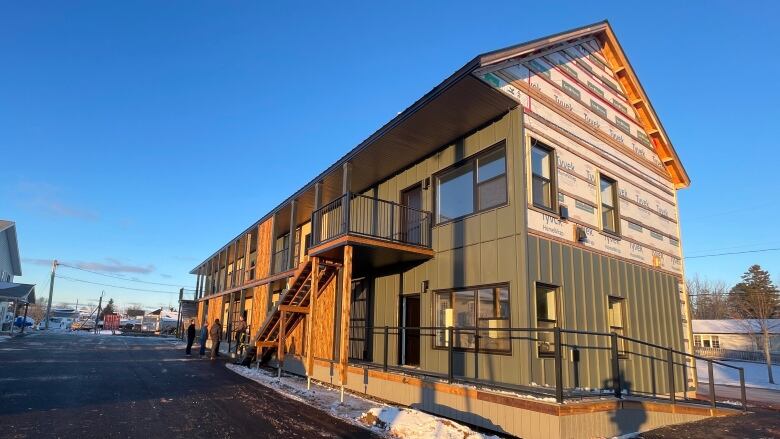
pixel 616 355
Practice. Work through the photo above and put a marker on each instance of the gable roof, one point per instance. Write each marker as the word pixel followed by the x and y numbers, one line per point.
pixel 436 119
pixel 620 64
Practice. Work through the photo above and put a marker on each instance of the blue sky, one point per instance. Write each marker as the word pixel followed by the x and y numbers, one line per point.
pixel 141 136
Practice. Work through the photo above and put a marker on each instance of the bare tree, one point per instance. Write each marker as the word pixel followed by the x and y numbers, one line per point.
pixel 754 302
pixel 709 299
pixel 37 311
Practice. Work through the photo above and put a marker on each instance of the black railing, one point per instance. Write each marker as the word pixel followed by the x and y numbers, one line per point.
pixel 616 365
pixel 371 217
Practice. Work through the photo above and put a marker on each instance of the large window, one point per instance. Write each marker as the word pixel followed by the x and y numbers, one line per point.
pixel 616 315
pixel 486 308
pixel 478 184
pixel 609 214
pixel 707 341
pixel 546 317
pixel 542 171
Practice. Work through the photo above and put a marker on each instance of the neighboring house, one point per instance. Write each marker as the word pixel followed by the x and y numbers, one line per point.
pixel 534 188
pixel 14 297
pixel 737 335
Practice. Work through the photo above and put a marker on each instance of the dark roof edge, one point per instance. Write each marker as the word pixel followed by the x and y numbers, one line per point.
pixel 408 112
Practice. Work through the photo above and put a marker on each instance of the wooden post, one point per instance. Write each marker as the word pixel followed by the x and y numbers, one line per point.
pixel 315 225
pixel 280 347
pixel 346 301
pixel 313 293
pixel 291 236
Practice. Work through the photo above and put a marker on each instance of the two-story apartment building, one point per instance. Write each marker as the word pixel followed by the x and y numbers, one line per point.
pixel 515 228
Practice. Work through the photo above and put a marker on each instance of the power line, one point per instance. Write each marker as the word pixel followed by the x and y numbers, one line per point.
pixel 114 286
pixel 113 276
pixel 734 253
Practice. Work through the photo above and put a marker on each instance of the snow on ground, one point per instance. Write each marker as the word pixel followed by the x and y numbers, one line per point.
pixel 395 422
pixel 755 374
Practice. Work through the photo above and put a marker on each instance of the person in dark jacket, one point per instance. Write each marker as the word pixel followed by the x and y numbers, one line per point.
pixel 190 336
pixel 204 335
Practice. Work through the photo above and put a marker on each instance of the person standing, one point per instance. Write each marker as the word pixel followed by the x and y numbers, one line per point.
pixel 215 333
pixel 204 335
pixel 190 336
pixel 240 331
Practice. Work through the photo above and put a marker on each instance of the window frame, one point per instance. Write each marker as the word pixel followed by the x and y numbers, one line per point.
pixel 621 330
pixel 556 323
pixel 553 180
pixel 615 207
pixel 475 290
pixel 473 162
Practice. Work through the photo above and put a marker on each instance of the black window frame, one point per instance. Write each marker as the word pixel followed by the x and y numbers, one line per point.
pixel 615 205
pixel 477 319
pixel 553 180
pixel 619 330
pixel 546 337
pixel 473 162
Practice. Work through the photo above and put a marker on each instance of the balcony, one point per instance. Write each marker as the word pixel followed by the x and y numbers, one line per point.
pixel 383 232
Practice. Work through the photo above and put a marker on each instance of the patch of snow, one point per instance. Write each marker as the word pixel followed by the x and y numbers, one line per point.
pixel 395 422
pixel 755 374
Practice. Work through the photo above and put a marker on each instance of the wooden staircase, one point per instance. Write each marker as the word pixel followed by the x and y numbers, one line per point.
pixel 292 306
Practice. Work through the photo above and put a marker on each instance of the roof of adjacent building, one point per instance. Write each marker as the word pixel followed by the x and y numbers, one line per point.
pixel 732 326
pixel 437 119
pixel 24 293
pixel 9 228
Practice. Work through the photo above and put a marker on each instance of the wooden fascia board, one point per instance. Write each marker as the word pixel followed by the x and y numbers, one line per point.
pixel 647 116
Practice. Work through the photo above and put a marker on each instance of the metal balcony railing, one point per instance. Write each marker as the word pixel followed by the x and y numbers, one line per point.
pixel 373 218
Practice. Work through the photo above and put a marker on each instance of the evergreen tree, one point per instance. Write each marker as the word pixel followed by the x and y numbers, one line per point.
pixel 108 309
pixel 754 302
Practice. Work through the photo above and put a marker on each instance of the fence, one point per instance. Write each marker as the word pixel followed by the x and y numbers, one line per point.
pixel 633 367
pixel 731 354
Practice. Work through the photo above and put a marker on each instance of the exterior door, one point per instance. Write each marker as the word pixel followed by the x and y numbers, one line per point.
pixel 359 321
pixel 411 331
pixel 411 217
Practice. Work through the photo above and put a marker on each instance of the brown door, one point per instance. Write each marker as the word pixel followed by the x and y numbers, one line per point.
pixel 411 331
pixel 411 216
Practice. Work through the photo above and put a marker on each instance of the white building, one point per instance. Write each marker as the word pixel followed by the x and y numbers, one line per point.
pixel 11 294
pixel 734 335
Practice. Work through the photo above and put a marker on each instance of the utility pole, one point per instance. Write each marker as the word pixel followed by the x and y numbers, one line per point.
pixel 51 291
pixel 100 305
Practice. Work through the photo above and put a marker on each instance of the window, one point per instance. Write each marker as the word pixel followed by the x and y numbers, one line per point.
pixel 486 308
pixel 542 184
pixel 479 184
pixel 546 317
pixel 707 341
pixel 609 218
pixel 616 318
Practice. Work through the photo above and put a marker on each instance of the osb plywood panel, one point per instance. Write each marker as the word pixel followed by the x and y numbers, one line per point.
pixel 200 312
pixel 214 309
pixel 264 249
pixel 295 341
pixel 574 104
pixel 259 307
pixel 322 335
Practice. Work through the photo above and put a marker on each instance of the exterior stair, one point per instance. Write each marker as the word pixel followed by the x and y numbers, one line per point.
pixel 294 302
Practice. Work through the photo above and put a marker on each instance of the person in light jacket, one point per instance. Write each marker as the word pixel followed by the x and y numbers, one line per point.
pixel 215 333
pixel 204 335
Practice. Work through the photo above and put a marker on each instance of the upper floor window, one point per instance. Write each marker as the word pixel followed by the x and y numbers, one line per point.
pixel 542 171
pixel 609 217
pixel 478 184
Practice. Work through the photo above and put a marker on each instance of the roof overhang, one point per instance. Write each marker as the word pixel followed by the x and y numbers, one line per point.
pixel 10 291
pixel 459 105
pixel 9 229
